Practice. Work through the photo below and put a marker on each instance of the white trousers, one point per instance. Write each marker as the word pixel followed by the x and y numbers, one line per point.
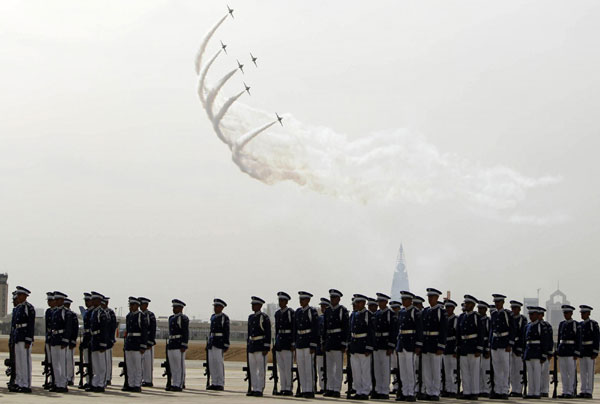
pixel 485 385
pixel 586 368
pixel 361 373
pixel 394 371
pixel 534 376
pixel 258 366
pixel 432 370
pixel 22 365
pixel 177 364
pixel 99 368
pixel 304 361
pixel 320 372
pixel 147 365
pixel 59 365
pixel 406 361
pixel 516 373
pixel 469 374
pixel 70 364
pixel 217 367
pixel 567 374
pixel 545 379
pixel 450 373
pixel 85 359
pixel 133 360
pixel 501 363
pixel 335 366
pixel 284 368
pixel 382 367
pixel 108 358
pixel 416 368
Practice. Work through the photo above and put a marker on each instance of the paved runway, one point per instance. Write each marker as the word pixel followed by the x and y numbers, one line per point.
pixel 234 393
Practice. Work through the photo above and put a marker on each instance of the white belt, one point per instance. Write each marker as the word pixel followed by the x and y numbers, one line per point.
pixel 21 325
pixel 174 336
pixel 566 341
pixel 217 334
pixel 285 331
pixel 302 332
pixel 450 338
pixel 535 341
pixel 257 338
pixel 587 342
pixel 334 330
pixel 501 334
pixel 95 332
pixel 382 334
pixel 57 331
pixel 134 334
pixel 470 336
pixel 431 333
pixel 359 335
pixel 403 332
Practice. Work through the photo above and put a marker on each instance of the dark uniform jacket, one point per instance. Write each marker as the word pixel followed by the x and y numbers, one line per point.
pixel 362 332
pixel 590 338
pixel 87 335
pixel 112 326
pixel 409 329
pixel 502 330
pixel 48 323
pixel 179 331
pixel 548 340
pixel 61 329
pixel 320 351
pixel 219 331
pixel 73 322
pixel 451 335
pixel 485 321
pixel 307 327
pixel 151 320
pixel 568 338
pixel 386 328
pixel 435 324
pixel 99 329
pixel 259 332
pixel 23 323
pixel 136 326
pixel 284 329
pixel 336 328
pixel 519 323
pixel 534 336
pixel 470 334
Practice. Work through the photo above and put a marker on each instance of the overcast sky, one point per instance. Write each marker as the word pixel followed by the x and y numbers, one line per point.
pixel 112 179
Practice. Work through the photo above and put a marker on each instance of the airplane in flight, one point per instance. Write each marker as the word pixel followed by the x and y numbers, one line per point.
pixel 247 88
pixel 253 59
pixel 240 66
pixel 224 47
pixel 279 118
pixel 230 11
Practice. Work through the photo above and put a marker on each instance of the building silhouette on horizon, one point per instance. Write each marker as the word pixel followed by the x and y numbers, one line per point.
pixel 400 281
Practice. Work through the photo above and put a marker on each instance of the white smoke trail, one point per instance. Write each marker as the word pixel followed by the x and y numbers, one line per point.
pixel 212 94
pixel 205 41
pixel 202 81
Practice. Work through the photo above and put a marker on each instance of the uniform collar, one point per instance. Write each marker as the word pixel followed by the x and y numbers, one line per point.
pixel 286 308
pixel 305 308
pixel 452 316
pixel 363 310
pixel 409 307
pixel 256 313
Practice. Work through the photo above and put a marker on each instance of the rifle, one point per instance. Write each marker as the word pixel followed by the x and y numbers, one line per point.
pixel 123 365
pixel 315 371
pixel 555 375
pixel 324 370
pixel 524 376
pixel 81 367
pixel 444 390
pixel 349 378
pixel 10 365
pixel 167 365
pixel 296 379
pixel 458 381
pixel 273 369
pixel 575 379
pixel 47 372
pixel 207 364
pixel 373 380
pixel 491 375
pixel 420 376
pixel 398 379
pixel 247 370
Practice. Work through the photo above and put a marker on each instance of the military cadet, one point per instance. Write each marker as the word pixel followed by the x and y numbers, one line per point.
pixel 23 329
pixel 48 335
pixel 179 334
pixel 112 334
pixel 534 354
pixel 148 356
pixel 568 350
pixel 435 324
pixel 259 344
pixel 485 384
pixel 73 323
pixel 336 334
pixel 418 302
pixel 319 355
pixel 470 335
pixel 408 345
pixel 548 345
pixel 307 339
pixel 59 343
pixel 99 331
pixel 449 359
pixel 386 323
pixel 590 341
pixel 362 342
pixel 218 344
pixel 284 343
pixel 86 337
pixel 12 386
pixel 395 306
pixel 502 339
pixel 136 337
pixel 372 305
pixel 516 360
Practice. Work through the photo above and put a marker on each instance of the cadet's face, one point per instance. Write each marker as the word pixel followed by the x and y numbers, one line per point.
pixel 406 302
pixel 335 300
pixel 256 307
pixel 469 306
pixel 372 307
pixel 433 299
pixel 95 302
pixel 218 308
pixel 51 303
pixel 516 310
pixel 282 303
pixel 59 302
pixel 532 316
pixel 567 315
pixel 134 307
pixel 482 311
pixel 324 307
pixel 585 315
pixel 304 302
pixel 360 305
pixel 177 309
pixel 87 303
pixel 450 310
pixel 382 304
pixel 144 306
pixel 499 304
pixel 20 298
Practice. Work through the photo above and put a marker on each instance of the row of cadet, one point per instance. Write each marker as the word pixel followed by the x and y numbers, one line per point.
pixel 422 352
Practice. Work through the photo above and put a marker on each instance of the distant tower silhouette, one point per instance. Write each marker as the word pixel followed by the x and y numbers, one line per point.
pixel 400 281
